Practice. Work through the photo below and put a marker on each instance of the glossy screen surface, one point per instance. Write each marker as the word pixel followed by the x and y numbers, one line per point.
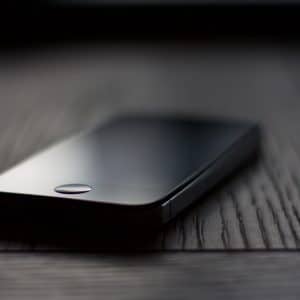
pixel 132 161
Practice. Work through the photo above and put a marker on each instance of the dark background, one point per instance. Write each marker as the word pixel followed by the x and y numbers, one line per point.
pixel 37 22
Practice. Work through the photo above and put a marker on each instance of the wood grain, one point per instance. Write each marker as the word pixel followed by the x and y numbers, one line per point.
pixel 150 276
pixel 49 94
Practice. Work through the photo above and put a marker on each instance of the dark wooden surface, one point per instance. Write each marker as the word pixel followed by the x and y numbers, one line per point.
pixel 150 276
pixel 50 94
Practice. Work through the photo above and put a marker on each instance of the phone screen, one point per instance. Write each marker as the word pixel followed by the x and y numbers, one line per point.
pixel 128 161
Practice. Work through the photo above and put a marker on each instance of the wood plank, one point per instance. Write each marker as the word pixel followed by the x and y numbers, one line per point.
pixel 46 96
pixel 189 275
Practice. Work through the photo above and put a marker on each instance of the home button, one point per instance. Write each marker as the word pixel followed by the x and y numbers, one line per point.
pixel 74 188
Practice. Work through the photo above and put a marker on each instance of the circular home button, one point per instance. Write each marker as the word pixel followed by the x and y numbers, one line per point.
pixel 73 188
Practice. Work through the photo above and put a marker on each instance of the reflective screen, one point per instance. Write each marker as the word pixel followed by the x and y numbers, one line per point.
pixel 129 161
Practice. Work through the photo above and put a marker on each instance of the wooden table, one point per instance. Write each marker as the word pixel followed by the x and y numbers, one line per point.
pixel 49 94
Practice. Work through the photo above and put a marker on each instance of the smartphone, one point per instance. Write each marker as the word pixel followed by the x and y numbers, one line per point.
pixel 140 171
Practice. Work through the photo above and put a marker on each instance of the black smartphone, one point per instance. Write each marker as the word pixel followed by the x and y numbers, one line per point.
pixel 129 171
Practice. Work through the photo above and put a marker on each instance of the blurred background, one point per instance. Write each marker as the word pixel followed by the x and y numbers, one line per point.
pixel 68 65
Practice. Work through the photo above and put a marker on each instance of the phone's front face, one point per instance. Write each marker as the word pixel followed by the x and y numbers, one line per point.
pixel 134 161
